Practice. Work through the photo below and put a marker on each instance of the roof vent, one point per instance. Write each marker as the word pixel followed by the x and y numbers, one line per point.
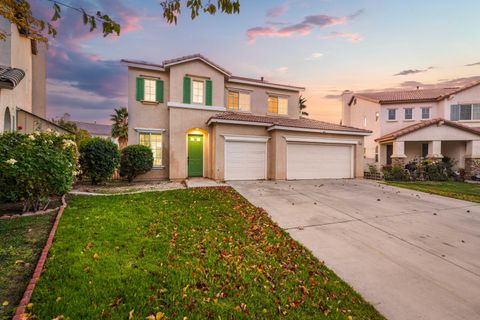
pixel 261 79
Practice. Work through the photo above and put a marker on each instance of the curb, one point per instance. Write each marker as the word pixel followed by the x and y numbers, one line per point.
pixel 19 314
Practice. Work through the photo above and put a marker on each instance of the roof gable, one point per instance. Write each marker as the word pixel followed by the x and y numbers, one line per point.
pixel 195 57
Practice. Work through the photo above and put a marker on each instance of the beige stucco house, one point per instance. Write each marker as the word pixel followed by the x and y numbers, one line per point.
pixel 200 120
pixel 22 83
pixel 421 123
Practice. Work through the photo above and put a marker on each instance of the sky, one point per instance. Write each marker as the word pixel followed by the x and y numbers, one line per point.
pixel 327 46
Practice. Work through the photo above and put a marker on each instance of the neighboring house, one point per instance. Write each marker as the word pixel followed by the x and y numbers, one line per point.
pixel 422 123
pixel 22 83
pixel 97 130
pixel 202 121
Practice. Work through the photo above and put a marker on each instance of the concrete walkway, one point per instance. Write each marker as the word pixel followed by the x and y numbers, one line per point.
pixel 411 254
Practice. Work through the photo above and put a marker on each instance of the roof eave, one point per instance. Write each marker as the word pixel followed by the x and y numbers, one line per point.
pixel 142 65
pixel 266 84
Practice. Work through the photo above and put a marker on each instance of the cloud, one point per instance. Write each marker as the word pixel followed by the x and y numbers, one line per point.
pixel 282 70
pixel 333 96
pixel 314 56
pixel 277 11
pixel 412 71
pixel 302 28
pixel 472 64
pixel 350 37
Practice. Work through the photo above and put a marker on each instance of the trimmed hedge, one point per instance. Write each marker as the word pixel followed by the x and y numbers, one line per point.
pixel 98 159
pixel 135 160
pixel 34 167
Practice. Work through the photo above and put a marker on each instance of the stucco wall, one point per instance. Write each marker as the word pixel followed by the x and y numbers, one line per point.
pixel 259 98
pixel 196 69
pixel 443 133
pixel 468 96
pixel 390 126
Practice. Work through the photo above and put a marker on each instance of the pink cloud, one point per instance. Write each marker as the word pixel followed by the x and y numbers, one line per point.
pixel 347 36
pixel 277 11
pixel 305 27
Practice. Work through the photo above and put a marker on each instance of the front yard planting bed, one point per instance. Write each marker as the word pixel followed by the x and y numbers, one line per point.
pixel 184 254
pixel 22 241
pixel 457 190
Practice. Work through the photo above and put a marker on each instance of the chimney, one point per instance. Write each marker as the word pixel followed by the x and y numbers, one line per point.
pixel 418 87
pixel 261 79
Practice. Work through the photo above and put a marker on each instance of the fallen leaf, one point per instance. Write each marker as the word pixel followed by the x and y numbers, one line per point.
pixel 160 316
pixel 130 314
pixel 29 306
pixel 95 256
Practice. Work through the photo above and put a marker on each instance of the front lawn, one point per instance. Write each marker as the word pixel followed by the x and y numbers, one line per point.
pixel 457 190
pixel 21 242
pixel 184 254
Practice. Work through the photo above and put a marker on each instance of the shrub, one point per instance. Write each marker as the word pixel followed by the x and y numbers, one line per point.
pixel 395 173
pixel 34 167
pixel 98 159
pixel 372 169
pixel 135 160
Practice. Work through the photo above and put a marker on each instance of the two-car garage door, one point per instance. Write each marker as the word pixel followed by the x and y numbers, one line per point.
pixel 319 161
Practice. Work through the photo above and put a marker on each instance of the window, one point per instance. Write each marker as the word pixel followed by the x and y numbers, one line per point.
pixel 198 91
pixel 424 150
pixel 426 113
pixel 150 90
pixel 392 114
pixel 154 141
pixel 465 112
pixel 277 105
pixel 408 113
pixel 238 101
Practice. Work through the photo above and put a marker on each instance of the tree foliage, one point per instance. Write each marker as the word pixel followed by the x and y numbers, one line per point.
pixel 120 126
pixel 98 159
pixel 302 105
pixel 136 159
pixel 80 134
pixel 19 12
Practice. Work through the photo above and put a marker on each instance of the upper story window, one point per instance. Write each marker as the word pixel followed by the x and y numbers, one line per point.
pixel 392 114
pixel 425 113
pixel 465 112
pixel 198 91
pixel 238 101
pixel 277 105
pixel 150 90
pixel 408 113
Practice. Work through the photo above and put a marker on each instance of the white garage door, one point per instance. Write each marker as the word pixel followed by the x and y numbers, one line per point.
pixel 245 160
pixel 319 161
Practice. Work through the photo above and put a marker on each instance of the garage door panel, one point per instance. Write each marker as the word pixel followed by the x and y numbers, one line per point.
pixel 245 160
pixel 319 161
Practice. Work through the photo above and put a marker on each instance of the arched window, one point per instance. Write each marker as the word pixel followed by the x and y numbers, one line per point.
pixel 7 121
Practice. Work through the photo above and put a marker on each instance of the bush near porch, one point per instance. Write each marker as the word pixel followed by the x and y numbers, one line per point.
pixel 202 253
pixel 424 170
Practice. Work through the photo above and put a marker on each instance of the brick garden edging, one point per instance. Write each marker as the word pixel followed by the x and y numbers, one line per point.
pixel 39 267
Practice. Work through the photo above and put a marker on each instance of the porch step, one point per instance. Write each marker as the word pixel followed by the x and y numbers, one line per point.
pixel 203 182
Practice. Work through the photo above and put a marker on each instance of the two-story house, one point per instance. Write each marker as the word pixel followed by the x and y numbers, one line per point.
pixel 202 121
pixel 421 123
pixel 22 83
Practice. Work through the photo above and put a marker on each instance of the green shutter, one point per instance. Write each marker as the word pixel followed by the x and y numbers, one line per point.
pixel 186 89
pixel 140 89
pixel 159 91
pixel 208 96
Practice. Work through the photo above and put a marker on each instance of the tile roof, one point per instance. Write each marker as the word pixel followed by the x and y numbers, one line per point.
pixel 418 95
pixel 271 121
pixel 10 77
pixel 264 82
pixel 423 124
pixel 95 128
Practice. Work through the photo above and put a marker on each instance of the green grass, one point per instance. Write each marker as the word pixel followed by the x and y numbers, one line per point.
pixel 457 190
pixel 195 253
pixel 22 240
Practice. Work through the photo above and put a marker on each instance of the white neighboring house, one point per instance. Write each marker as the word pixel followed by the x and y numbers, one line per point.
pixel 422 123
pixel 97 130
pixel 22 83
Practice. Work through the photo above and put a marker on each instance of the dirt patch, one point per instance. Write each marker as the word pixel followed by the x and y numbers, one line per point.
pixel 125 187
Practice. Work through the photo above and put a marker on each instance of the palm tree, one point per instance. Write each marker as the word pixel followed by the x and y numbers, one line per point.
pixel 120 126
pixel 302 106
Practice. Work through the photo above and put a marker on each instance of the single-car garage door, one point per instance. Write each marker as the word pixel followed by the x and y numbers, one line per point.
pixel 319 161
pixel 245 160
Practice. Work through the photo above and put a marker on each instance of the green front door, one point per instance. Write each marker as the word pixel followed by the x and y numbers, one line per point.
pixel 195 155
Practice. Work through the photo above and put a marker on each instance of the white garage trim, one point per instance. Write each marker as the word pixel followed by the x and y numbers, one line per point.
pixel 350 133
pixel 253 140
pixel 319 140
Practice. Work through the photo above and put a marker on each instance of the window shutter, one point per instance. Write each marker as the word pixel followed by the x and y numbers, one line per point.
pixel 159 91
pixel 186 89
pixel 208 95
pixel 140 89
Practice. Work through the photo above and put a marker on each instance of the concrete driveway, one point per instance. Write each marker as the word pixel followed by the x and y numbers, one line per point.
pixel 412 255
